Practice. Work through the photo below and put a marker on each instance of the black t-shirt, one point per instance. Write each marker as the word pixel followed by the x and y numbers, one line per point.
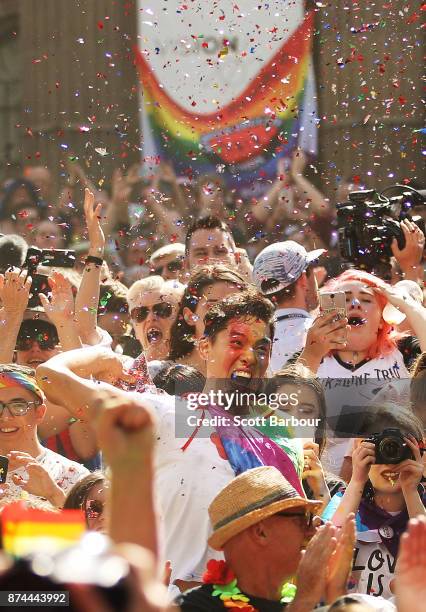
pixel 202 600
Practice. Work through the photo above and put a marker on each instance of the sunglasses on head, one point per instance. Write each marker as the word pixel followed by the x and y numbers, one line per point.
pixel 172 266
pixel 163 310
pixel 94 508
pixel 44 340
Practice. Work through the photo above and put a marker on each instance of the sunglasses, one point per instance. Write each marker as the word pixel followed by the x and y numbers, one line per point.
pixel 45 342
pixel 172 266
pixel 163 310
pixel 307 517
pixel 94 509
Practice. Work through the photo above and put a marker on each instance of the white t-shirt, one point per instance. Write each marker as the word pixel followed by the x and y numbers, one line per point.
pixel 62 470
pixel 185 484
pixel 383 377
pixel 381 369
pixel 373 567
pixel 292 325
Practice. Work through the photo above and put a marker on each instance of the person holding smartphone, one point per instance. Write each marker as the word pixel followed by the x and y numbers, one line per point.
pixel 373 356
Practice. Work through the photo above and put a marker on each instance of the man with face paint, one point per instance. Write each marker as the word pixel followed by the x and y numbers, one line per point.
pixel 193 461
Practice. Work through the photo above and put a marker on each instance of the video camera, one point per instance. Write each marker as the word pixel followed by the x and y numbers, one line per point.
pixel 57 258
pixel 369 221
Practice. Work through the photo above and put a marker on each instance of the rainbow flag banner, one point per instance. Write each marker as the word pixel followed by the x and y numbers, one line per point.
pixel 26 530
pixel 226 87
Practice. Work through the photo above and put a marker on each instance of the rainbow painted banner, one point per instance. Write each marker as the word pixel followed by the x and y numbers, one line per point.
pixel 249 124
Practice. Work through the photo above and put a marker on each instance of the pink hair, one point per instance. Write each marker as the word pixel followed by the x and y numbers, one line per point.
pixel 387 338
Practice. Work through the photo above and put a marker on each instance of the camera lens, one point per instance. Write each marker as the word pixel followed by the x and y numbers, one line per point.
pixel 391 450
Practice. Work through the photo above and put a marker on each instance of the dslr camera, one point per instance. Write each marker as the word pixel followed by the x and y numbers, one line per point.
pixel 58 258
pixel 390 447
pixel 369 221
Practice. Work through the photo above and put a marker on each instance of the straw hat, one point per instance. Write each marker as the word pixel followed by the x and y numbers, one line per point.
pixel 249 498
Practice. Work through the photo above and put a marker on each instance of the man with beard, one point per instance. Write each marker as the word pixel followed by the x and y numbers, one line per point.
pixel 193 462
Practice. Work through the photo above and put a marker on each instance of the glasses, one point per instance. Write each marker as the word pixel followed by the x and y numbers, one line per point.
pixel 172 266
pixel 94 509
pixel 307 517
pixel 163 310
pixel 46 342
pixel 18 407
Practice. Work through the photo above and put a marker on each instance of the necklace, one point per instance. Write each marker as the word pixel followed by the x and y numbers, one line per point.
pixel 225 586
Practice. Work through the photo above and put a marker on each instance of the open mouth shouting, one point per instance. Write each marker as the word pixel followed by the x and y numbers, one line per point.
pixel 242 377
pixel 154 335
pixel 356 321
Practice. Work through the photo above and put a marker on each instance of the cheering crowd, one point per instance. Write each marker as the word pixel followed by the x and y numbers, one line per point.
pixel 168 366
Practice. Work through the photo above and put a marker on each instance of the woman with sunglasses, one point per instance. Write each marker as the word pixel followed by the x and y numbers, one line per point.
pixel 153 305
pixel 37 342
pixel 89 494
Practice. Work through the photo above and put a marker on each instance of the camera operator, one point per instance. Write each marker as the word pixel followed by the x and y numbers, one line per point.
pixel 384 497
pixel 376 227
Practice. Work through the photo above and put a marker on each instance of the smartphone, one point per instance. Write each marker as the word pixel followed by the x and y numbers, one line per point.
pixel 4 464
pixel 335 301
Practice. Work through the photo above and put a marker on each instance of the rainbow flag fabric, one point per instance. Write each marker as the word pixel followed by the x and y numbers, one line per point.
pixel 26 530
pixel 251 131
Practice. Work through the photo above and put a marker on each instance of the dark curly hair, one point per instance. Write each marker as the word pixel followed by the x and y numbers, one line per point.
pixel 247 304
pixel 181 338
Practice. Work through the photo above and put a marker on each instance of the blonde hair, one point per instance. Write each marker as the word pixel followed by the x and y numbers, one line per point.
pixel 177 248
pixel 152 283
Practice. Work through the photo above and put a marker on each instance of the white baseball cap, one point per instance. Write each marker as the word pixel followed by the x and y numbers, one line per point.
pixel 280 264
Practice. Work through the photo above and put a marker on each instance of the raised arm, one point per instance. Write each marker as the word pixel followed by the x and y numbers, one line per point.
pixel 306 191
pixel 66 378
pixel 125 430
pixel 262 209
pixel 415 312
pixel 362 458
pixel 168 219
pixel 410 257
pixel 86 306
pixel 167 175
pixel 15 288
pixel 321 339
pixel 60 310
